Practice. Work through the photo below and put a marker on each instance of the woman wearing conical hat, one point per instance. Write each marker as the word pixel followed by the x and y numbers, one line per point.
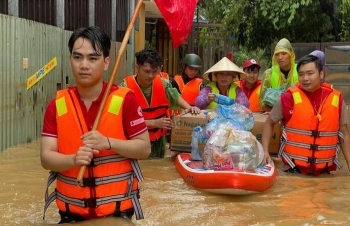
pixel 222 77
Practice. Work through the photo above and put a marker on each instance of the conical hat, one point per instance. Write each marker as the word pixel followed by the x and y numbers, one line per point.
pixel 224 65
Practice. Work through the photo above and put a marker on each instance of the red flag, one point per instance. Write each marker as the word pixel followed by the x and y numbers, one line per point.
pixel 178 15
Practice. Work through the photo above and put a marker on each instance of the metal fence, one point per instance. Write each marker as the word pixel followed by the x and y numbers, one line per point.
pixel 209 41
pixel 4 6
pixel 122 20
pixel 29 78
pixel 26 47
pixel 42 11
pixel 76 14
pixel 110 15
pixel 103 15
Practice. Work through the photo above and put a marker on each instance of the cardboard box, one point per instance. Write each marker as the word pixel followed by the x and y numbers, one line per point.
pixel 180 138
pixel 259 120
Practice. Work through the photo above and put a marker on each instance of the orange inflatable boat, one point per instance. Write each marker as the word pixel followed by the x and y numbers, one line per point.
pixel 231 182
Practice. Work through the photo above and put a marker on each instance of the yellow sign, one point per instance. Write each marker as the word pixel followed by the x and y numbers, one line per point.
pixel 32 80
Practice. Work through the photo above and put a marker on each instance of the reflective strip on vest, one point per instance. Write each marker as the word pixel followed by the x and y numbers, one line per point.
pixel 311 146
pixel 312 133
pixel 133 195
pixel 61 106
pixel 288 158
pixel 99 181
pixel 95 181
pixel 309 139
pixel 115 105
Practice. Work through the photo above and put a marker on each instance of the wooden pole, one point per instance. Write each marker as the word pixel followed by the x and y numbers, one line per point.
pixel 111 79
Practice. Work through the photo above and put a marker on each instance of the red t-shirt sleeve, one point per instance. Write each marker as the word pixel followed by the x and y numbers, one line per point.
pixel 50 124
pixel 287 106
pixel 133 121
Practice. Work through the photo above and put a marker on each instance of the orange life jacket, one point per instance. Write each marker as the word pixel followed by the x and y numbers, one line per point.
pixel 158 108
pixel 254 97
pixel 311 141
pixel 110 182
pixel 164 75
pixel 190 90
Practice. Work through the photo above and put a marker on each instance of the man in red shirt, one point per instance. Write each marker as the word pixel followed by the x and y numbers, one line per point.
pixel 109 152
pixel 252 84
pixel 315 123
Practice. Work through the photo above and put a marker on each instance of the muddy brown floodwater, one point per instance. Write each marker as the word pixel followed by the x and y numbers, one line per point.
pixel 167 200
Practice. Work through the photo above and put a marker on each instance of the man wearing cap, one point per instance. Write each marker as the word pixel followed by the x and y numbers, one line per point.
pixel 251 85
pixel 282 73
pixel 222 78
pixel 189 83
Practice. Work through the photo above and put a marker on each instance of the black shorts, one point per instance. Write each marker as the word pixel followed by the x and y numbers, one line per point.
pixel 69 218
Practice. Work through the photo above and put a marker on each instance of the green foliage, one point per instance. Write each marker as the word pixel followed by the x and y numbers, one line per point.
pixel 241 55
pixel 345 10
pixel 255 24
pixel 258 23
pixel 151 44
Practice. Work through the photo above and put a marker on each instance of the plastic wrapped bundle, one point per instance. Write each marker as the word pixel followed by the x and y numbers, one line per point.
pixel 221 123
pixel 211 115
pixel 214 157
pixel 197 143
pixel 243 156
pixel 230 149
pixel 237 113
pixel 272 94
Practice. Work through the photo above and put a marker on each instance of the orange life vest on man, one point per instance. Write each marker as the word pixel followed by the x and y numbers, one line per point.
pixel 164 75
pixel 158 108
pixel 110 183
pixel 311 141
pixel 190 90
pixel 254 97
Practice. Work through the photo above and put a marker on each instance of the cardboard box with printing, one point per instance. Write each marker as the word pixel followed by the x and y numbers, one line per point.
pixel 259 120
pixel 180 138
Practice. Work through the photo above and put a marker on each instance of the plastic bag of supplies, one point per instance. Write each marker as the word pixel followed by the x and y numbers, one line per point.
pixel 272 94
pixel 229 149
pixel 198 143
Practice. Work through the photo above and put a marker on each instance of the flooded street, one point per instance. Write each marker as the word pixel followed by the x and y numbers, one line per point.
pixel 167 200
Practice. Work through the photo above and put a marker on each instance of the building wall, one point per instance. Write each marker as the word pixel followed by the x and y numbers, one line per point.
pixel 21 109
pixel 26 49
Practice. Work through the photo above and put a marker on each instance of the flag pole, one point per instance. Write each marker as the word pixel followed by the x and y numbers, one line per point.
pixel 111 79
